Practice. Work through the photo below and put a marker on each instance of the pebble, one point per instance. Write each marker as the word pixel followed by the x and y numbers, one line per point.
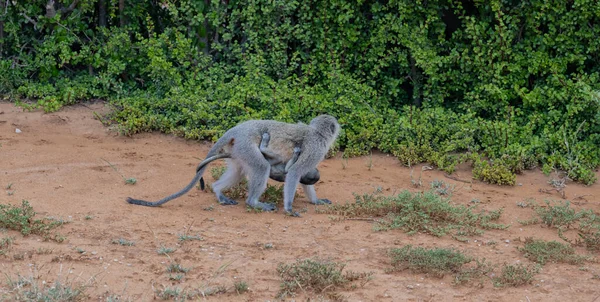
pixel 18 130
pixel 507 241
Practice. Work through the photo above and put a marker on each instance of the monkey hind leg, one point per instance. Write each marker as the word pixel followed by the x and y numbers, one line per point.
pixel 232 176
pixel 259 174
pixel 310 193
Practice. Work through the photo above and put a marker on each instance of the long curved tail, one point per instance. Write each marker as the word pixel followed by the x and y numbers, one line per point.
pixel 200 170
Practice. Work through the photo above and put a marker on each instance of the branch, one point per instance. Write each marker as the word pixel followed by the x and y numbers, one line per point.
pixel 70 8
pixel 30 20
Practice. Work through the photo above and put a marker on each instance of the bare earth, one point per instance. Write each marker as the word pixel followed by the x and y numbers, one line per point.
pixel 58 164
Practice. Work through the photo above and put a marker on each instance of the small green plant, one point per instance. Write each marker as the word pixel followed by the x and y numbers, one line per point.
pixel 417 183
pixel 128 181
pixel 273 194
pixel 43 251
pixel 426 212
pixel 8 187
pixel 240 287
pixel 541 251
pixel 494 173
pixel 315 275
pixel 370 161
pixel 209 208
pixel 559 184
pixel 442 188
pixel 176 277
pixel 165 250
pixel 468 272
pixel 28 289
pixel 5 244
pixel 123 242
pixel 80 250
pixel 88 217
pixel 171 294
pixel 590 238
pixel 268 246
pixel 177 268
pixel 22 219
pixel 515 275
pixel 344 160
pixel 185 237
pixel 211 291
pixel 437 262
pixel 559 215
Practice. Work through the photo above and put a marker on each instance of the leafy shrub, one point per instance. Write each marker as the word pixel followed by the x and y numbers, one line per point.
pixel 431 81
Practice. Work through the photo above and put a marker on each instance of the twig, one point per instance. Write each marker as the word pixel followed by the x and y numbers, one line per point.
pixel 457 179
pixel 363 219
pixel 582 196
pixel 30 20
pixel 112 166
pixel 299 285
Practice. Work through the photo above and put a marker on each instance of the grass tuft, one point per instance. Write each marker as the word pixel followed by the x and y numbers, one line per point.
pixel 240 287
pixel 437 262
pixel 316 276
pixel 515 275
pixel 123 242
pixel 22 219
pixel 165 250
pixel 541 251
pixel 425 212
pixel 177 268
pixel 185 237
pixel 561 216
pixel 27 289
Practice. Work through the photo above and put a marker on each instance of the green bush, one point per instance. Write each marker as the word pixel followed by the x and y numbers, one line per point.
pixel 428 81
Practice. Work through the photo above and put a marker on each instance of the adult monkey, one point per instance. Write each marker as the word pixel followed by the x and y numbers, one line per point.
pixel 279 167
pixel 240 146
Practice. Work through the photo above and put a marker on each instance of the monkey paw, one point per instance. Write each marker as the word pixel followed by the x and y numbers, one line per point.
pixel 322 201
pixel 264 206
pixel 227 201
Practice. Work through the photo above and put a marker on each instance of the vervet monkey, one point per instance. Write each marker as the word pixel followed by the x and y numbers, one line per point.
pixel 240 146
pixel 279 167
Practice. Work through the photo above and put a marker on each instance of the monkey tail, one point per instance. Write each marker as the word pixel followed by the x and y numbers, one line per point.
pixel 199 171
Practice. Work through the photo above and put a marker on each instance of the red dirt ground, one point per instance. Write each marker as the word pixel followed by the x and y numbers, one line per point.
pixel 57 164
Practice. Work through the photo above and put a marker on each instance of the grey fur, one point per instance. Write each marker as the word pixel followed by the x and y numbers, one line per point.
pixel 279 167
pixel 240 146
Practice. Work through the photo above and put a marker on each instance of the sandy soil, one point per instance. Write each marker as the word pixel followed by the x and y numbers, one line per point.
pixel 58 163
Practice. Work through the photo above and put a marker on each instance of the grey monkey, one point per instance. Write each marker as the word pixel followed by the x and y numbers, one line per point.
pixel 240 146
pixel 279 167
